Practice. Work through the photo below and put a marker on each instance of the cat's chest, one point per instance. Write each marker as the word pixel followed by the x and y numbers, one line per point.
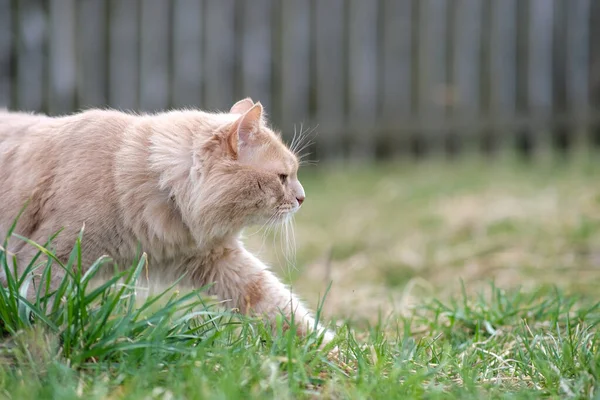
pixel 125 247
pixel 161 252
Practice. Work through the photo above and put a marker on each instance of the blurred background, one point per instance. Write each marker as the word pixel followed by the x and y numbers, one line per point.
pixel 375 81
pixel 380 78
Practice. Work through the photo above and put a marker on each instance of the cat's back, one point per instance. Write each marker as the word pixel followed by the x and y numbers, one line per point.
pixel 16 126
pixel 55 160
pixel 36 145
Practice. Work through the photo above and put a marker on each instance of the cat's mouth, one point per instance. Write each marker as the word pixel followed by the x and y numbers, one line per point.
pixel 285 212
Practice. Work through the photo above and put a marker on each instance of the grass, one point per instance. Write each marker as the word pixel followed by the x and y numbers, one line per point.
pixel 464 280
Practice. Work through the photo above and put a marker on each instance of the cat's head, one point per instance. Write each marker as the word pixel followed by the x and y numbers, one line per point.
pixel 255 178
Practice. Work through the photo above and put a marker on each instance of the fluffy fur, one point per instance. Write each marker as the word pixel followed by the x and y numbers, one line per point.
pixel 183 184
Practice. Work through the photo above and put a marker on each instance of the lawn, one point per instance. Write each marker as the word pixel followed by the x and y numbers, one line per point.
pixel 465 279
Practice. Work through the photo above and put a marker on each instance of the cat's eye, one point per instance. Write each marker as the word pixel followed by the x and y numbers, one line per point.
pixel 283 178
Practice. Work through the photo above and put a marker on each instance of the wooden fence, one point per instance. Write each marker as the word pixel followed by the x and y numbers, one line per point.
pixel 378 77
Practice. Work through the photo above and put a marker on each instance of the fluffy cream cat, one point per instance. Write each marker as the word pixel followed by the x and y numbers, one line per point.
pixel 182 184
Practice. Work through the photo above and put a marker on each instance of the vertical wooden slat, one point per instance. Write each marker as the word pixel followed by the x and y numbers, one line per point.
pixel 256 50
pixel 560 129
pixel 362 63
pixel 6 53
pixel 577 64
pixel 432 69
pixel 154 55
pixel 397 67
pixel 466 89
pixel 540 64
pixel 594 68
pixel 330 67
pixel 578 31
pixel 92 76
pixel 503 63
pixel 219 17
pixel 32 32
pixel 295 59
pixel 187 53
pixel 523 136
pixel 123 65
pixel 276 63
pixel 62 57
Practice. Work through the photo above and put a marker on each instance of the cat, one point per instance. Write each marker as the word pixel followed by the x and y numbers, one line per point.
pixel 182 184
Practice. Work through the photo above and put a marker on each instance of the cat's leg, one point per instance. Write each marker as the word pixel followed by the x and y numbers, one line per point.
pixel 246 284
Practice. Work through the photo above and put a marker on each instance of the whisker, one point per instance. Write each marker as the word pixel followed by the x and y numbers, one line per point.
pixel 264 225
pixel 306 141
pixel 312 133
pixel 300 136
pixel 293 242
pixel 286 243
pixel 299 141
pixel 269 228
pixel 281 229
pixel 305 146
pixel 285 250
pixel 291 245
pixel 297 138
pixel 293 139
pixel 301 156
pixel 308 162
pixel 279 233
pixel 265 229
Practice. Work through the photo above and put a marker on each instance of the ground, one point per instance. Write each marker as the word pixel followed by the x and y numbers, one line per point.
pixel 447 279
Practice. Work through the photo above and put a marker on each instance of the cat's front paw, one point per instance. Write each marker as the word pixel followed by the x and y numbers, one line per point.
pixel 328 337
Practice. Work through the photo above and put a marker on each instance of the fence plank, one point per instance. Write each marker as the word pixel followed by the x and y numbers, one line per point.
pixel 540 56
pixel 62 57
pixel 256 49
pixel 154 55
pixel 503 65
pixel 594 63
pixel 187 53
pixel 92 76
pixel 330 68
pixel 397 54
pixel 503 58
pixel 432 68
pixel 363 71
pixel 396 85
pixel 560 134
pixel 6 53
pixel 578 74
pixel 32 32
pixel 295 58
pixel 123 66
pixel 577 37
pixel 467 44
pixel 219 17
pixel 523 137
pixel 464 94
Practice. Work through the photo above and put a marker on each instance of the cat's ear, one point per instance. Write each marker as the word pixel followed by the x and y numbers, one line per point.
pixel 245 129
pixel 242 106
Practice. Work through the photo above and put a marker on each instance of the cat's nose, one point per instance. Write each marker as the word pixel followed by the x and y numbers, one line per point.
pixel 300 200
